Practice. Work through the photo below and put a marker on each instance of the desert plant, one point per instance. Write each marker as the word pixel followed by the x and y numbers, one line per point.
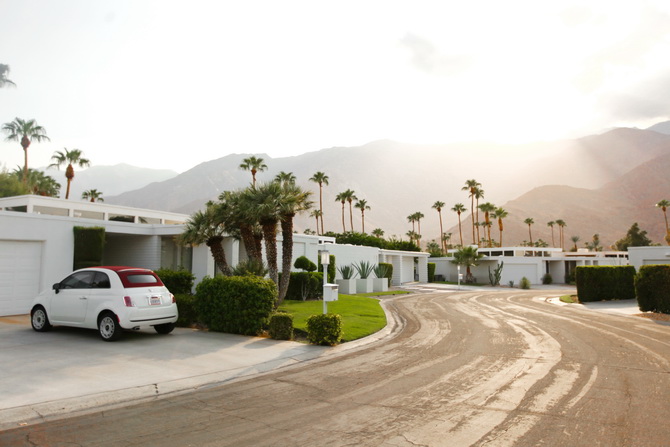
pixel 494 277
pixel 250 267
pixel 524 283
pixel 364 269
pixel 381 270
pixel 281 326
pixel 324 329
pixel 346 271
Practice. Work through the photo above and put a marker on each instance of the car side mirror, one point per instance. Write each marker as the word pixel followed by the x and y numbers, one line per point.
pixel 56 287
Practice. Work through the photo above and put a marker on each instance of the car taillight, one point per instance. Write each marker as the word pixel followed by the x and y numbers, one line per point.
pixel 129 301
pixel 174 300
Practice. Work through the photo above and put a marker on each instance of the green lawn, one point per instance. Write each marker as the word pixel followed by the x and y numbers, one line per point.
pixel 361 316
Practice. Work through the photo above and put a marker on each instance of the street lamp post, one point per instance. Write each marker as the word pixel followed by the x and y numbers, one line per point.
pixel 325 260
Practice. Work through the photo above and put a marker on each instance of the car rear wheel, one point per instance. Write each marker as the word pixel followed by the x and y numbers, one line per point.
pixel 39 319
pixel 164 328
pixel 108 326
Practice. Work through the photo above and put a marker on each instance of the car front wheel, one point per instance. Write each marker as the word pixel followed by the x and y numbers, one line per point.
pixel 164 328
pixel 39 319
pixel 109 328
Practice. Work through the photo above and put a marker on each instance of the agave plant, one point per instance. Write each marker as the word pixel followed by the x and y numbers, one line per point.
pixel 381 271
pixel 346 271
pixel 251 267
pixel 364 269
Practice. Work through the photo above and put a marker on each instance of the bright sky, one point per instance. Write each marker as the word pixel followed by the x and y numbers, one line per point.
pixel 166 84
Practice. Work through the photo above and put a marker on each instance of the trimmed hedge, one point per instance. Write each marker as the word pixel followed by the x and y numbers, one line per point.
pixel 305 286
pixel 281 326
pixel 431 272
pixel 188 315
pixel 605 282
pixel 177 281
pixel 324 329
pixel 303 263
pixel 652 286
pixel 235 304
pixel 89 244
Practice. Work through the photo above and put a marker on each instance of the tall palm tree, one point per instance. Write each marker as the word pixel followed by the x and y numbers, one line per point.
pixel 418 216
pixel 205 227
pixel 39 183
pixel 350 196
pixel 458 209
pixel 285 178
pixel 471 186
pixel 412 219
pixel 265 200
pixel 316 214
pixel 93 195
pixel 322 179
pixel 663 205
pixel 69 157
pixel 487 208
pixel 378 232
pixel 529 221
pixel 24 131
pixel 500 213
pixel 362 205
pixel 342 198
pixel 240 214
pixel 253 164
pixel 479 194
pixel 438 207
pixel 551 224
pixel 446 238
pixel 293 200
pixel 561 225
pixel 4 71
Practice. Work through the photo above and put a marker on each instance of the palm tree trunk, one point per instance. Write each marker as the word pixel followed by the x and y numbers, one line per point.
pixel 460 230
pixel 218 253
pixel 286 256
pixel 247 233
pixel 363 221
pixel 320 208
pixel 472 214
pixel 270 236
pixel 344 229
pixel 530 235
pixel 351 217
pixel 444 243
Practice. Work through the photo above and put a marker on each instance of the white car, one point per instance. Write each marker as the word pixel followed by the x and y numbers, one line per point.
pixel 109 299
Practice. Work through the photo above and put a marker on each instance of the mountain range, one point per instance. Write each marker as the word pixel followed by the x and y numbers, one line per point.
pixel 596 184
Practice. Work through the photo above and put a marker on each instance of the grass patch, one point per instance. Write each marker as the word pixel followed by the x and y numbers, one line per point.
pixel 361 316
pixel 570 299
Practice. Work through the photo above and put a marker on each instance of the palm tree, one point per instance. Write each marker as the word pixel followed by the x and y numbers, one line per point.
pixel 500 214
pixel 240 215
pixel 205 227
pixel 529 221
pixel 285 178
pixel 438 206
pixel 487 208
pixel 479 194
pixel 412 219
pixel 350 196
pixel 70 157
pixel 264 201
pixel 551 224
pixel 316 214
pixel 574 240
pixel 322 179
pixel 4 71
pixel 446 238
pixel 413 236
pixel 253 164
pixel 663 205
pixel 39 183
pixel 362 205
pixel 458 209
pixel 24 132
pixel 378 232
pixel 469 257
pixel 471 186
pixel 418 216
pixel 561 225
pixel 342 198
pixel 93 195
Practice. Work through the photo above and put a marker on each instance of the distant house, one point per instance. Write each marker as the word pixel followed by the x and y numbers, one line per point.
pixel 37 246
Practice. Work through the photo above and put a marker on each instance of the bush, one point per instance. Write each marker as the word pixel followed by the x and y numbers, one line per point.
pixel 177 281
pixel 188 316
pixel 547 279
pixel 324 329
pixel 605 282
pixel 303 263
pixel 389 270
pixel 281 326
pixel 652 286
pixel 431 272
pixel 251 267
pixel 235 304
pixel 524 283
pixel 304 286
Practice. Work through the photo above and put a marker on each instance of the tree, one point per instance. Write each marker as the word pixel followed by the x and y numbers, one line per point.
pixel 316 214
pixel 487 208
pixel 418 216
pixel 350 196
pixel 663 205
pixel 342 199
pixel 574 240
pixel 479 194
pixel 458 209
pixel 70 157
pixel 634 238
pixel 240 216
pixel 378 232
pixel 285 178
pixel 471 186
pixel 500 214
pixel 551 224
pixel 595 243
pixel 362 205
pixel 93 195
pixel 38 182
pixel 264 204
pixel 446 239
pixel 253 164
pixel 412 219
pixel 561 225
pixel 438 207
pixel 11 185
pixel 434 249
pixel 24 132
pixel 529 221
pixel 322 179
pixel 4 81
pixel 469 257
pixel 205 227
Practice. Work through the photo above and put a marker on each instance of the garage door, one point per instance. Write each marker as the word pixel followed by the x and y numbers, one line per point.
pixel 514 272
pixel 19 275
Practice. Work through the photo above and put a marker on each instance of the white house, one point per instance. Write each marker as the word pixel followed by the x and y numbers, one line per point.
pixel 640 256
pixel 37 246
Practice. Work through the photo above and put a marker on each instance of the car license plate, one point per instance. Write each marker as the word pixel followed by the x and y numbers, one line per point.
pixel 155 300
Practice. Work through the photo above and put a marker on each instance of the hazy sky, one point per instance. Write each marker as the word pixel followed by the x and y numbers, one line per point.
pixel 169 84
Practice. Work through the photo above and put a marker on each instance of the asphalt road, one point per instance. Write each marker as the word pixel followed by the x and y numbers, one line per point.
pixel 468 368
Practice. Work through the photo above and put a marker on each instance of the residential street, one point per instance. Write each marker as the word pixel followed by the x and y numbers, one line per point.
pixel 496 368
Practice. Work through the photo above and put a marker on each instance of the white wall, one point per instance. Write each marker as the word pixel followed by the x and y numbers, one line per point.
pixel 639 256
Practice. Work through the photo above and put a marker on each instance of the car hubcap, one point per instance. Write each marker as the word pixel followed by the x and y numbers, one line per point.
pixel 107 327
pixel 38 319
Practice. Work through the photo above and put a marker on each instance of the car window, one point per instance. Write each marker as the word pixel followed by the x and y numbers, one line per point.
pixel 141 279
pixel 101 281
pixel 78 280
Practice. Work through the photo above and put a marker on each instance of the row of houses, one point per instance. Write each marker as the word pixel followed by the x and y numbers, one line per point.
pixel 37 249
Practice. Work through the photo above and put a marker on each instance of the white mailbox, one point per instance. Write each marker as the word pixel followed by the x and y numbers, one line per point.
pixel 330 292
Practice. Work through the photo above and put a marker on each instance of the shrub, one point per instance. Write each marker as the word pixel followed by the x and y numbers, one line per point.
pixel 281 326
pixel 324 329
pixel 524 283
pixel 494 277
pixel 251 267
pixel 235 304
pixel 346 271
pixel 305 285
pixel 188 316
pixel 177 281
pixel 364 269
pixel 547 279
pixel 431 272
pixel 389 270
pixel 605 282
pixel 303 263
pixel 652 286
